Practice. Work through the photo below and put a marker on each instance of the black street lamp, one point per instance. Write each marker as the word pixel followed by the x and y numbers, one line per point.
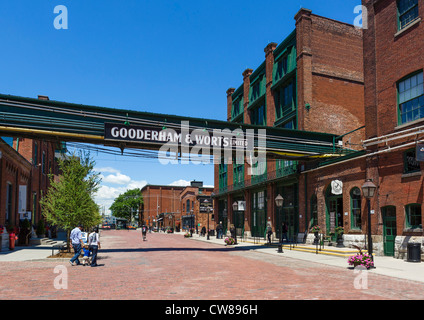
pixel 368 190
pixel 279 202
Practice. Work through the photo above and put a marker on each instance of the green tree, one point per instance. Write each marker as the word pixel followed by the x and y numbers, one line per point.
pixel 69 199
pixel 126 205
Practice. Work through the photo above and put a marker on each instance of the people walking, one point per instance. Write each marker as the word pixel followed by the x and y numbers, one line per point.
pixel 144 232
pixel 269 233
pixel 94 245
pixel 76 244
pixel 219 230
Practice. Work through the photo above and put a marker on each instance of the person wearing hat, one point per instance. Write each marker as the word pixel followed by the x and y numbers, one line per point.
pixel 76 243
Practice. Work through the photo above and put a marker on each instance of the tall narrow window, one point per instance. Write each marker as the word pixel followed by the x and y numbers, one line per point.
pixel 355 206
pixel 35 159
pixel 411 98
pixel 9 203
pixel 43 163
pixel 314 211
pixel 407 12
pixel 258 115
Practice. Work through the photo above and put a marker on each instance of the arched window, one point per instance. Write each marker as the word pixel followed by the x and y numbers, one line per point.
pixel 188 206
pixel 355 208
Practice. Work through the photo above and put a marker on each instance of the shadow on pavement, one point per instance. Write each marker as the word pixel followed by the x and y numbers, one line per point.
pixel 224 249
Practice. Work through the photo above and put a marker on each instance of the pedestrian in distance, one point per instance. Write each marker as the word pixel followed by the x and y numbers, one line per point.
pixel 269 232
pixel 144 232
pixel 284 230
pixel 233 231
pixel 94 245
pixel 219 230
pixel 76 243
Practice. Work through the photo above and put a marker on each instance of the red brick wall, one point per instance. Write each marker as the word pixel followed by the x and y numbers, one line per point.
pixel 330 76
pixel 388 58
pixel 14 169
pixel 166 197
pixel 351 173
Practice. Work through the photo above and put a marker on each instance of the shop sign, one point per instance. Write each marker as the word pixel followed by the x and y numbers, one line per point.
pixel 178 136
pixel 241 205
pixel 336 187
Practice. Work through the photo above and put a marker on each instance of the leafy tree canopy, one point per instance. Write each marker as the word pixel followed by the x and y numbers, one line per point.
pixel 126 205
pixel 69 199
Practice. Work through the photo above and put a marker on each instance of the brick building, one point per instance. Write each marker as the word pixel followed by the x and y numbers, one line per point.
pixel 24 169
pixel 311 81
pixel 178 207
pixel 394 105
pixel 161 205
pixel 196 207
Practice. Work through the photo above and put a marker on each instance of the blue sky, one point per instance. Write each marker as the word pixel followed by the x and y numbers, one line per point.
pixel 172 57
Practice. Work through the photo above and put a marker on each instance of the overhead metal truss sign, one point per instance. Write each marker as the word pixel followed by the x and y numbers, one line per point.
pixel 61 121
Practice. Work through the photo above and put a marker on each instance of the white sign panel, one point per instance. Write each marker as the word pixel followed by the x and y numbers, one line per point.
pixel 241 205
pixel 336 187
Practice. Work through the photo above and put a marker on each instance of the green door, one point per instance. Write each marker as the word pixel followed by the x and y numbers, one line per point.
pixel 389 230
pixel 334 215
pixel 258 214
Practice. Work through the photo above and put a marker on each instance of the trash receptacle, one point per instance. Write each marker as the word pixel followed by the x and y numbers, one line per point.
pixel 414 252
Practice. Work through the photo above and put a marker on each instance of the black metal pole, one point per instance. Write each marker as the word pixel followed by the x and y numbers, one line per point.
pixel 207 238
pixel 369 230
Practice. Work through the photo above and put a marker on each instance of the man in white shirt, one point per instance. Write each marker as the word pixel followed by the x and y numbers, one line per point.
pixel 76 243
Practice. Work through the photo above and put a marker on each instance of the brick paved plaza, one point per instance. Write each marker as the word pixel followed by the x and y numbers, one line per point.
pixel 170 267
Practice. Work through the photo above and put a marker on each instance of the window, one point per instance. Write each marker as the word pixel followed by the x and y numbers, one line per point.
pixel 223 176
pixel 35 159
pixel 314 211
pixel 237 107
pixel 410 161
pixel 261 200
pixel 258 115
pixel 355 207
pixel 9 194
pixel 188 206
pixel 411 98
pixel 281 68
pixel 407 12
pixel 238 171
pixel 285 98
pixel 43 163
pixel 413 216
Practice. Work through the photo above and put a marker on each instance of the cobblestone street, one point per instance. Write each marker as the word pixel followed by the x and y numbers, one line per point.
pixel 170 267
